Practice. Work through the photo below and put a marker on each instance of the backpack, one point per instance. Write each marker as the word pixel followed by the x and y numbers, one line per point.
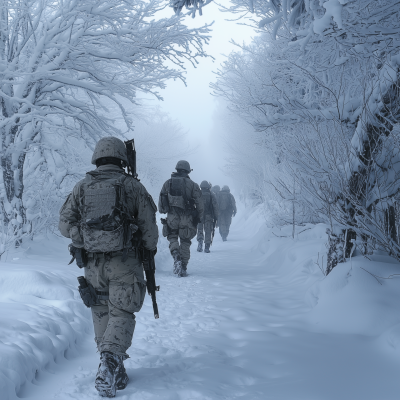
pixel 225 203
pixel 177 193
pixel 105 220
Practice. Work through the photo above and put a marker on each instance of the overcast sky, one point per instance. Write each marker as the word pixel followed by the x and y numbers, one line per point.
pixel 193 105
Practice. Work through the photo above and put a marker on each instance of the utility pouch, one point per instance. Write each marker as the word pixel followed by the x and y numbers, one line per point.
pixel 90 296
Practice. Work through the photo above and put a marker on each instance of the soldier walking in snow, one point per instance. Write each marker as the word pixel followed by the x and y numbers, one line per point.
pixel 110 218
pixel 227 209
pixel 206 228
pixel 180 199
pixel 216 189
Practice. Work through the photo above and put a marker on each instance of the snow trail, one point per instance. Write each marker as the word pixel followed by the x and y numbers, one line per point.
pixel 238 327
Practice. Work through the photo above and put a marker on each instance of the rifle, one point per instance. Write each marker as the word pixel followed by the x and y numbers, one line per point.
pixel 149 266
pixel 131 155
pixel 214 220
pixel 213 231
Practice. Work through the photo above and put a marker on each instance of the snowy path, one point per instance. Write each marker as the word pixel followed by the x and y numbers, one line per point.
pixel 237 328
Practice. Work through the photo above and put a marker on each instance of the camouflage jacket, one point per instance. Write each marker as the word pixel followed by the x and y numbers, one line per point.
pixel 140 205
pixel 192 191
pixel 232 209
pixel 212 209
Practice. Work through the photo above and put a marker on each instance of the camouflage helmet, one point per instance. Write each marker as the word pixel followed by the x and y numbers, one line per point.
pixel 216 188
pixel 109 147
pixel 225 189
pixel 205 185
pixel 182 164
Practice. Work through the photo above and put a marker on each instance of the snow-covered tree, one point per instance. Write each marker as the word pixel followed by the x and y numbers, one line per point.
pixel 192 6
pixel 62 63
pixel 326 69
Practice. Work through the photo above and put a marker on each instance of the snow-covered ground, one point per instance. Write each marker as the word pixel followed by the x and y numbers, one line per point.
pixel 255 319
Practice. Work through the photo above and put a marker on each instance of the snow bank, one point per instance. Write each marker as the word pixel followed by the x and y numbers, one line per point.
pixel 356 298
pixel 42 316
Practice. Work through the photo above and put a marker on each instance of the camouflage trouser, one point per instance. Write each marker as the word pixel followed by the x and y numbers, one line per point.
pixel 180 228
pixel 204 231
pixel 224 222
pixel 113 320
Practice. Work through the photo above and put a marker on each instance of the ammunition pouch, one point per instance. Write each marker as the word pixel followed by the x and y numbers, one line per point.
pixel 89 295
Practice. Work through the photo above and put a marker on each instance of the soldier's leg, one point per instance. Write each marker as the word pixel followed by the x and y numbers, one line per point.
pixel 127 291
pixel 172 237
pixel 187 231
pixel 185 251
pixel 223 229
pixel 173 220
pixel 200 236
pixel 228 225
pixel 208 226
pixel 100 312
pixel 175 250
pixel 200 232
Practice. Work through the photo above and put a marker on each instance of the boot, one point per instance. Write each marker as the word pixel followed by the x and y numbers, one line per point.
pixel 183 272
pixel 106 376
pixel 207 248
pixel 177 261
pixel 200 246
pixel 121 377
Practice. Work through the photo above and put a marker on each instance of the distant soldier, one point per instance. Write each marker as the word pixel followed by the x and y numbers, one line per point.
pixel 181 199
pixel 206 228
pixel 216 189
pixel 111 220
pixel 227 209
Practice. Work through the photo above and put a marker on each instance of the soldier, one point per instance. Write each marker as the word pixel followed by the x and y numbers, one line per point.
pixel 100 216
pixel 181 199
pixel 216 189
pixel 227 209
pixel 206 228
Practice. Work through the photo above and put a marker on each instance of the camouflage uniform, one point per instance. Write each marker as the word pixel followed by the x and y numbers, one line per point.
pixel 114 320
pixel 227 208
pixel 206 226
pixel 216 189
pixel 180 226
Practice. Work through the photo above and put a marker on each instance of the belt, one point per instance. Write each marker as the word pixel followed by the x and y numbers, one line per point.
pixel 102 295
